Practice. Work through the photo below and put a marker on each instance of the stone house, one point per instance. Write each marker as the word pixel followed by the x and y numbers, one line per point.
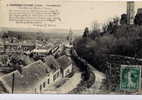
pixel 55 68
pixel 31 80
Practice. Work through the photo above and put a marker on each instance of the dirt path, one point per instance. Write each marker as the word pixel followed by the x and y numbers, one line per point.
pixel 96 87
pixel 99 76
pixel 99 79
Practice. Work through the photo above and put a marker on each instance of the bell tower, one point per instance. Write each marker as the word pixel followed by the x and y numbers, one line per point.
pixel 130 12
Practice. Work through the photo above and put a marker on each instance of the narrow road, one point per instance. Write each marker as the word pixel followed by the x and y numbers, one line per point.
pixel 99 77
pixel 96 87
pixel 99 80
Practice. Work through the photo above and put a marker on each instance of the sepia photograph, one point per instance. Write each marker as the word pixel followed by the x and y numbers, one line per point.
pixel 71 47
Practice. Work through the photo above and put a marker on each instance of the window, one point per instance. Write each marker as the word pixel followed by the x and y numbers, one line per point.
pixel 54 77
pixel 58 74
pixel 44 84
pixel 68 71
pixel 40 87
pixel 48 81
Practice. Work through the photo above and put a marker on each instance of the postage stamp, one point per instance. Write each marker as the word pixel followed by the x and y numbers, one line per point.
pixel 130 77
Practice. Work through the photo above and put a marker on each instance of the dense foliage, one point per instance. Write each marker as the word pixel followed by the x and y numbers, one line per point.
pixel 24 35
pixel 117 39
pixel 138 19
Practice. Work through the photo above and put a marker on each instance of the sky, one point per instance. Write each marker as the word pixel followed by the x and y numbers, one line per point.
pixel 80 14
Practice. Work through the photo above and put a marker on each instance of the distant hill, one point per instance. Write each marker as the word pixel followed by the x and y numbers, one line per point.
pixel 51 33
pixel 48 31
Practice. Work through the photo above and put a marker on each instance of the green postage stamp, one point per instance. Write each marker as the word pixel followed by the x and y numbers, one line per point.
pixel 130 77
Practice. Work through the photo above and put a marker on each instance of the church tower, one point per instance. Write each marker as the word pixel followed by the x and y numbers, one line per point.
pixel 69 37
pixel 130 12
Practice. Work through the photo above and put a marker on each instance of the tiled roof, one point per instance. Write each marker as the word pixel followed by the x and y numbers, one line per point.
pixel 64 61
pixel 27 80
pixel 52 63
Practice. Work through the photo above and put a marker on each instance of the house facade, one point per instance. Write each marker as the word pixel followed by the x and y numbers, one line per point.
pixel 55 68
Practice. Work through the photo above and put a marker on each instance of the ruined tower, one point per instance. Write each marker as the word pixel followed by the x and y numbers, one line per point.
pixel 130 12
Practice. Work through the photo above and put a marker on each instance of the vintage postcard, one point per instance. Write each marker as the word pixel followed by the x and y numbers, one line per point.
pixel 70 47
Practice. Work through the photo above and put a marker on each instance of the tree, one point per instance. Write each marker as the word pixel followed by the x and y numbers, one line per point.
pixel 104 28
pixel 86 33
pixel 123 19
pixel 95 31
pixel 5 35
pixel 111 26
pixel 138 19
